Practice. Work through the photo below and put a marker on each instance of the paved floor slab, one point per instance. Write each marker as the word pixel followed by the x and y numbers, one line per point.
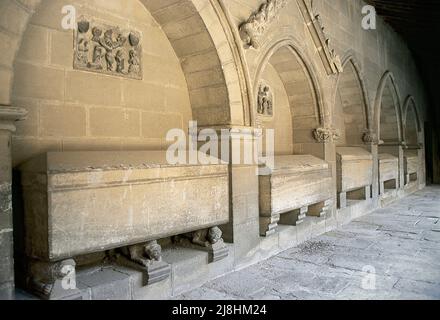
pixel 392 253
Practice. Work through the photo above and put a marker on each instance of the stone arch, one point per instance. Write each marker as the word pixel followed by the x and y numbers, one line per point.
pixel 412 125
pixel 300 85
pixel 387 110
pixel 199 41
pixel 351 104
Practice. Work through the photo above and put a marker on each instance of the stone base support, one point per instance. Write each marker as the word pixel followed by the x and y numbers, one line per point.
pixel 268 225
pixel 295 217
pixel 54 281
pixel 320 209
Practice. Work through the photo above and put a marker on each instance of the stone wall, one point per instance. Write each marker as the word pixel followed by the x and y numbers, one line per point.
pixel 76 110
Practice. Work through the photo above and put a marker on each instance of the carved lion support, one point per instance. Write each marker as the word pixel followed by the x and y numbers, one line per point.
pixel 146 257
pixel 53 281
pixel 209 240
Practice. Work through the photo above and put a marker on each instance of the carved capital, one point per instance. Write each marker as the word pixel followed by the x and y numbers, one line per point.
pixel 9 115
pixel 370 137
pixel 255 26
pixel 325 135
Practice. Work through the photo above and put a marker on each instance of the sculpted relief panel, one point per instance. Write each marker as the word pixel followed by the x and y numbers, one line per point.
pixel 109 50
pixel 253 29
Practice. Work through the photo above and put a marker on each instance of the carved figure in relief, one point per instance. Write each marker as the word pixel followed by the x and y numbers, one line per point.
pixel 120 61
pixel 83 51
pixel 98 55
pixel 110 44
pixel 134 63
pixel 254 27
pixel 265 101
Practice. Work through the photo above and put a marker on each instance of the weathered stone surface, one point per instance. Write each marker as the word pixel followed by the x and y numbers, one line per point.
pixel 354 168
pixel 411 163
pixel 295 182
pixel 103 200
pixel 335 265
pixel 388 167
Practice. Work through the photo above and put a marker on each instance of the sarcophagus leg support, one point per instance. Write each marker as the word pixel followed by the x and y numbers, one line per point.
pixel 268 225
pixel 342 200
pixel 146 258
pixel 320 209
pixel 54 281
pixel 209 240
pixel 294 217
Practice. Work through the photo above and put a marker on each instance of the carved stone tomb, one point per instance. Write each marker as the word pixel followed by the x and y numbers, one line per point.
pixel 354 167
pixel 78 203
pixel 299 185
pixel 388 172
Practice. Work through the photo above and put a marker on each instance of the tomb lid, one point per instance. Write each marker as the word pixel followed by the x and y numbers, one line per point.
pixel 386 157
pixel 353 153
pixel 83 161
pixel 298 164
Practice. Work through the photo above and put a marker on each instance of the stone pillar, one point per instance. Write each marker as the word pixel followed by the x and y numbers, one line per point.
pixel 243 229
pixel 8 116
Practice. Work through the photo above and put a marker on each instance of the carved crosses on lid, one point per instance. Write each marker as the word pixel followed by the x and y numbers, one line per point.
pixel 110 50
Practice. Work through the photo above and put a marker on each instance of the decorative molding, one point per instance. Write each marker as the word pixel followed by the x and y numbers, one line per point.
pixel 254 28
pixel 332 62
pixel 9 115
pixel 325 135
pixel 265 101
pixel 105 49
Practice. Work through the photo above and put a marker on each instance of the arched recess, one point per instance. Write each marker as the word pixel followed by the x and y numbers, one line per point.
pixel 387 111
pixel 299 91
pixel 202 51
pixel 199 42
pixel 411 124
pixel 351 114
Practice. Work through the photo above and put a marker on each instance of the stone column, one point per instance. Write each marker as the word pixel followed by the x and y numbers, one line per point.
pixel 8 115
pixel 243 229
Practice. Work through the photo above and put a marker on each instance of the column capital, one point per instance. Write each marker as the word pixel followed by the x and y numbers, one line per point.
pixel 9 115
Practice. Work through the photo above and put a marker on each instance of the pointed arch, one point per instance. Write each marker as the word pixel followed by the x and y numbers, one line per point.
pixel 300 84
pixel 351 107
pixel 411 121
pixel 388 110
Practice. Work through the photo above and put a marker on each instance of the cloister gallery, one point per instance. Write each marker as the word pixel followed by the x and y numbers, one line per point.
pixel 90 208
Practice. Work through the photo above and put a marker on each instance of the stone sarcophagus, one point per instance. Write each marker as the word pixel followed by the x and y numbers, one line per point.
pixel 411 166
pixel 388 172
pixel 354 168
pixel 79 203
pixel 298 185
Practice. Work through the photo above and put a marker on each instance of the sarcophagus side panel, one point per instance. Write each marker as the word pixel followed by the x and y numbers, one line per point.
pixel 388 167
pixel 104 208
pixel 354 168
pixel 411 164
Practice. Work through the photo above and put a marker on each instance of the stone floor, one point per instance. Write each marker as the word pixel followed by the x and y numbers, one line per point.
pixel 393 253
